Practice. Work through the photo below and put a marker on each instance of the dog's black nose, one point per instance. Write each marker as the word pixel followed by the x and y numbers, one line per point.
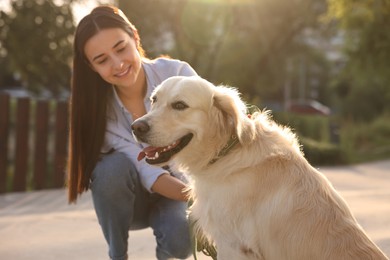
pixel 140 127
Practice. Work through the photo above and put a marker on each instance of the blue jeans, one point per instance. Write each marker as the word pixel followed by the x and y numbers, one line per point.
pixel 122 204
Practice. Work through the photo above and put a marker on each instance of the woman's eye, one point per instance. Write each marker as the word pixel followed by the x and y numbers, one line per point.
pixel 122 49
pixel 180 105
pixel 102 61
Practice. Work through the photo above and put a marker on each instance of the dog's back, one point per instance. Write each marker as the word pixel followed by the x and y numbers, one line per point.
pixel 313 221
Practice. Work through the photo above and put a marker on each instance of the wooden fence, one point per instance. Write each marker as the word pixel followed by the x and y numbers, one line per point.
pixel 33 143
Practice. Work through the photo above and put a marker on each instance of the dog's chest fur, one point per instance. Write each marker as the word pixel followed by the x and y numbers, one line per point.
pixel 229 209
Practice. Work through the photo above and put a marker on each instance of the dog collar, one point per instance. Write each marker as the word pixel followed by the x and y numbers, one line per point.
pixel 230 144
pixel 251 109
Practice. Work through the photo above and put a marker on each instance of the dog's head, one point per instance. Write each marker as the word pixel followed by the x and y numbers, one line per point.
pixel 191 118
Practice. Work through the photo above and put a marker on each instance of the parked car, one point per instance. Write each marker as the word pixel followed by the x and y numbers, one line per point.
pixel 311 107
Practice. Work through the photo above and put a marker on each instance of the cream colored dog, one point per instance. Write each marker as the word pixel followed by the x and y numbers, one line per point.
pixel 255 194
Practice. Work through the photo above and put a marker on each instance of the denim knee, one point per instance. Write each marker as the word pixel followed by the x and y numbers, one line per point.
pixel 171 229
pixel 112 173
pixel 113 185
pixel 178 242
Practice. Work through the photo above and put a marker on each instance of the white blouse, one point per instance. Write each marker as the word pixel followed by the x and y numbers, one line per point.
pixel 119 136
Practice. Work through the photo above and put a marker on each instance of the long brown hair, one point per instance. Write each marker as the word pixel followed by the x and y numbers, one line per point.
pixel 89 99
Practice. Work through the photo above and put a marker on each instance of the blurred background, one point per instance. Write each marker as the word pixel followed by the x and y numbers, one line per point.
pixel 321 66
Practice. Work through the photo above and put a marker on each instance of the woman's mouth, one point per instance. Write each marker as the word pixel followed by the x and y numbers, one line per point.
pixel 123 72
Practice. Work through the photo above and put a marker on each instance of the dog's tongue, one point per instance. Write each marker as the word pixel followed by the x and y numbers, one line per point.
pixel 149 151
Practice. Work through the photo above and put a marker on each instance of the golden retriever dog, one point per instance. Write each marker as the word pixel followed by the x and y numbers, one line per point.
pixel 255 195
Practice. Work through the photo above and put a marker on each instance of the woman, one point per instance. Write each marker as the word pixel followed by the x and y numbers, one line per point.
pixel 111 85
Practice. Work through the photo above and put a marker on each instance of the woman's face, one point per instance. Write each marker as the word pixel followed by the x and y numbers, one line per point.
pixel 113 54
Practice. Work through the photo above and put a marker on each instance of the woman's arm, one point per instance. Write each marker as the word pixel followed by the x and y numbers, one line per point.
pixel 171 187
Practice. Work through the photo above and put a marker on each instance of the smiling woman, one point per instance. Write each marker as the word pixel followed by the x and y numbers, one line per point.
pixel 111 86
pixel 114 56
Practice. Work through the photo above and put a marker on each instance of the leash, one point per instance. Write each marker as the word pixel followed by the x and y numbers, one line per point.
pixel 201 245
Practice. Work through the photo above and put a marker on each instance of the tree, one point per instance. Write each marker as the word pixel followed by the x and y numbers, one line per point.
pixel 364 83
pixel 241 43
pixel 36 38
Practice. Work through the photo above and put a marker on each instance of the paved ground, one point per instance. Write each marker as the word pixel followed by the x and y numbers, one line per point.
pixel 42 226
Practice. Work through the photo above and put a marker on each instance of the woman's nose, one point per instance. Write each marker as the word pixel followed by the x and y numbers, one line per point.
pixel 118 64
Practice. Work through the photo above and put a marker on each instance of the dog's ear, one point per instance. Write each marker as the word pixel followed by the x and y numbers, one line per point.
pixel 233 111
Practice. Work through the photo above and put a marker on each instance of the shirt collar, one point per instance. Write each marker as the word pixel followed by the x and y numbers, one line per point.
pixel 149 89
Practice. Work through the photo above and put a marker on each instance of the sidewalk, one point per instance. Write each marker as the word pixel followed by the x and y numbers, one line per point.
pixel 42 226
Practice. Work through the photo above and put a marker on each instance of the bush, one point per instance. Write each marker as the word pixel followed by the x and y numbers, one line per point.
pixel 325 141
pixel 321 153
pixel 315 133
pixel 309 126
pixel 366 141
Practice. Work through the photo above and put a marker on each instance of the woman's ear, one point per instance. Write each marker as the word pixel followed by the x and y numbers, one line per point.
pixel 233 109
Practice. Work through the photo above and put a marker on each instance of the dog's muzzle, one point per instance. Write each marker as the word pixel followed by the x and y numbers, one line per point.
pixel 140 129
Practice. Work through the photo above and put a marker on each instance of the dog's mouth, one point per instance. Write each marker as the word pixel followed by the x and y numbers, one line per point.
pixel 158 155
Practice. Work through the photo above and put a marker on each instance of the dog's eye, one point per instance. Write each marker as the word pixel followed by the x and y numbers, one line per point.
pixel 179 105
pixel 153 99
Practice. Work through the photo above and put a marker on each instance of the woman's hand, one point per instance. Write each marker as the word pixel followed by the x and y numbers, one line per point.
pixel 171 187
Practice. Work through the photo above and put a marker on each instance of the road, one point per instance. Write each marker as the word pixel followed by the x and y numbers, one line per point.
pixel 40 225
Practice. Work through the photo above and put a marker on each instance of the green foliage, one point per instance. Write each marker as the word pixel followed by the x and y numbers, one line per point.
pixel 328 140
pixel 350 142
pixel 36 37
pixel 366 141
pixel 321 153
pixel 318 136
pixel 364 83
pixel 308 126
pixel 246 44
